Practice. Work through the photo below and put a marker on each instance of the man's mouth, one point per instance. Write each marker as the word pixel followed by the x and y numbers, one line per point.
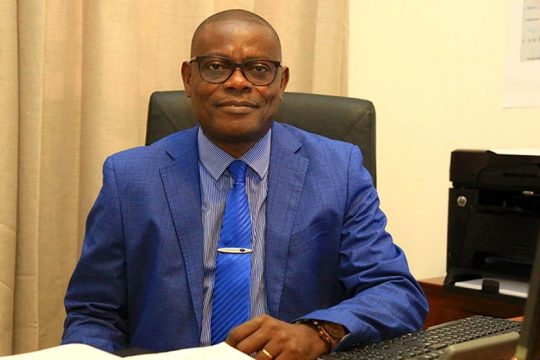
pixel 238 106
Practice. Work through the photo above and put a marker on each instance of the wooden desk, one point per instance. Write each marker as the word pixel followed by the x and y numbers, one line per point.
pixel 447 304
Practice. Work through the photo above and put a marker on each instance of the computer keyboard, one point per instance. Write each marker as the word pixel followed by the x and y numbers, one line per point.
pixel 430 343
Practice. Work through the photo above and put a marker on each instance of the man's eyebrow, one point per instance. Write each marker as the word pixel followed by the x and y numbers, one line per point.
pixel 250 58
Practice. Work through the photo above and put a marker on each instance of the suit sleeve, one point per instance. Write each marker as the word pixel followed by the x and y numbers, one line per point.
pixel 96 297
pixel 384 301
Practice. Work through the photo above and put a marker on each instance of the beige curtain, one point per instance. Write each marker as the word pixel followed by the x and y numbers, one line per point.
pixel 75 78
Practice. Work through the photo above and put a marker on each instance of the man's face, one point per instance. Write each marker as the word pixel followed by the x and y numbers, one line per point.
pixel 236 113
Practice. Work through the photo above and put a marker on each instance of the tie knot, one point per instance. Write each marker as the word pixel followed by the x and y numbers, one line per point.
pixel 238 170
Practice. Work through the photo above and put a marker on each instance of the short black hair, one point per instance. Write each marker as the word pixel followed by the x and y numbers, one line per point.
pixel 235 14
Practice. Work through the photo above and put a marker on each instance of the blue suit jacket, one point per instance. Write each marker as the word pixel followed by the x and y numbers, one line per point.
pixel 139 281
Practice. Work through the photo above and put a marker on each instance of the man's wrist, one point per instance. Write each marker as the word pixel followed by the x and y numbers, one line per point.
pixel 331 333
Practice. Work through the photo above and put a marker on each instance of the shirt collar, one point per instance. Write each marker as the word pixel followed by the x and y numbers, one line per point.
pixel 216 161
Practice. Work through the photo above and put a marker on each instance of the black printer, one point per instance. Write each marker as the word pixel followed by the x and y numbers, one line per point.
pixel 493 215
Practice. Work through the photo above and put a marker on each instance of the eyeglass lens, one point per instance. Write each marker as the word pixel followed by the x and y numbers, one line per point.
pixel 217 70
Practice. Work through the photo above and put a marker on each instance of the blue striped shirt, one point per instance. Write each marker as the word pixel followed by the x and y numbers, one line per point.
pixel 215 185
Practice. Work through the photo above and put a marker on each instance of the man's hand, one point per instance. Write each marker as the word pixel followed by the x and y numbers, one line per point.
pixel 270 338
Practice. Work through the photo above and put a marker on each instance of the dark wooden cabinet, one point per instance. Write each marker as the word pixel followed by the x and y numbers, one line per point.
pixel 450 303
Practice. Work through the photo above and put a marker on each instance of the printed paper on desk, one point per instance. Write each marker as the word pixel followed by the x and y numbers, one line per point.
pixel 65 352
pixel 221 351
pixel 506 286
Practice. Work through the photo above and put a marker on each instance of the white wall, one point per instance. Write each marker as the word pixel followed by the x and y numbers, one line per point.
pixel 434 70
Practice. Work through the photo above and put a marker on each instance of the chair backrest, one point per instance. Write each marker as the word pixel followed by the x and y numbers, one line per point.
pixel 340 118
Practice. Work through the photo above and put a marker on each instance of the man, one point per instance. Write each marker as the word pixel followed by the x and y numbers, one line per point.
pixel 322 272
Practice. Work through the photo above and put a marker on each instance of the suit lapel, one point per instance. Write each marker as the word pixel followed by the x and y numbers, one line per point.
pixel 182 188
pixel 286 175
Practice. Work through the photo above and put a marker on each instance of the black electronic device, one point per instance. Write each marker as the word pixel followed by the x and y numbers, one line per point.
pixel 493 215
pixel 529 341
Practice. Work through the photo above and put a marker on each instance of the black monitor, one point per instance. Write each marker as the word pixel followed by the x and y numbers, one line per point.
pixel 528 347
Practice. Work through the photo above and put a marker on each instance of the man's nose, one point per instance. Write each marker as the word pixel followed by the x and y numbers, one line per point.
pixel 237 80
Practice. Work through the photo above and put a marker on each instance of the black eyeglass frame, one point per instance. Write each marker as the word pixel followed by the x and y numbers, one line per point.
pixel 235 65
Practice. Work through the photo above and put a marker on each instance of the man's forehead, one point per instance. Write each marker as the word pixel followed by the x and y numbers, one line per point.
pixel 223 32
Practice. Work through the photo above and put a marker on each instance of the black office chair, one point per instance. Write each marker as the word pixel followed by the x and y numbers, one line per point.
pixel 341 118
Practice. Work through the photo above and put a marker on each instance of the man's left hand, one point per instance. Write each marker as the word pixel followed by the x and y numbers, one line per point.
pixel 273 339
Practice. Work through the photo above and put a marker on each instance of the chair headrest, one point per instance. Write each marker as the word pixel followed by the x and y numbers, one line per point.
pixel 341 118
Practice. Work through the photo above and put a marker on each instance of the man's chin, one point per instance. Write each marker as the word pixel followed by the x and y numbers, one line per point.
pixel 238 134
pixel 243 137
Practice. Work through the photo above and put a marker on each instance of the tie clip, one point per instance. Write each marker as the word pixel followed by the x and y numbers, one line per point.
pixel 231 250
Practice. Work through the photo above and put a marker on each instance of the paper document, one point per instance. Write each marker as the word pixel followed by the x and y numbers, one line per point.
pixel 65 352
pixel 220 351
pixel 506 286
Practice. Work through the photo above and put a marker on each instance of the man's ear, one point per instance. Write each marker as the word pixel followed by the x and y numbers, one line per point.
pixel 284 80
pixel 186 77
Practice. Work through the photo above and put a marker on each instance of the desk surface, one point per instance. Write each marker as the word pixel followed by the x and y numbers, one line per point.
pixel 447 304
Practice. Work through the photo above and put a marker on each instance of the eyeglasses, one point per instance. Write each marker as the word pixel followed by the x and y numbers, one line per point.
pixel 217 70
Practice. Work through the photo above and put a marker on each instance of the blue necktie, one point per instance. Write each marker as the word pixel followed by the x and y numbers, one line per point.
pixel 231 297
